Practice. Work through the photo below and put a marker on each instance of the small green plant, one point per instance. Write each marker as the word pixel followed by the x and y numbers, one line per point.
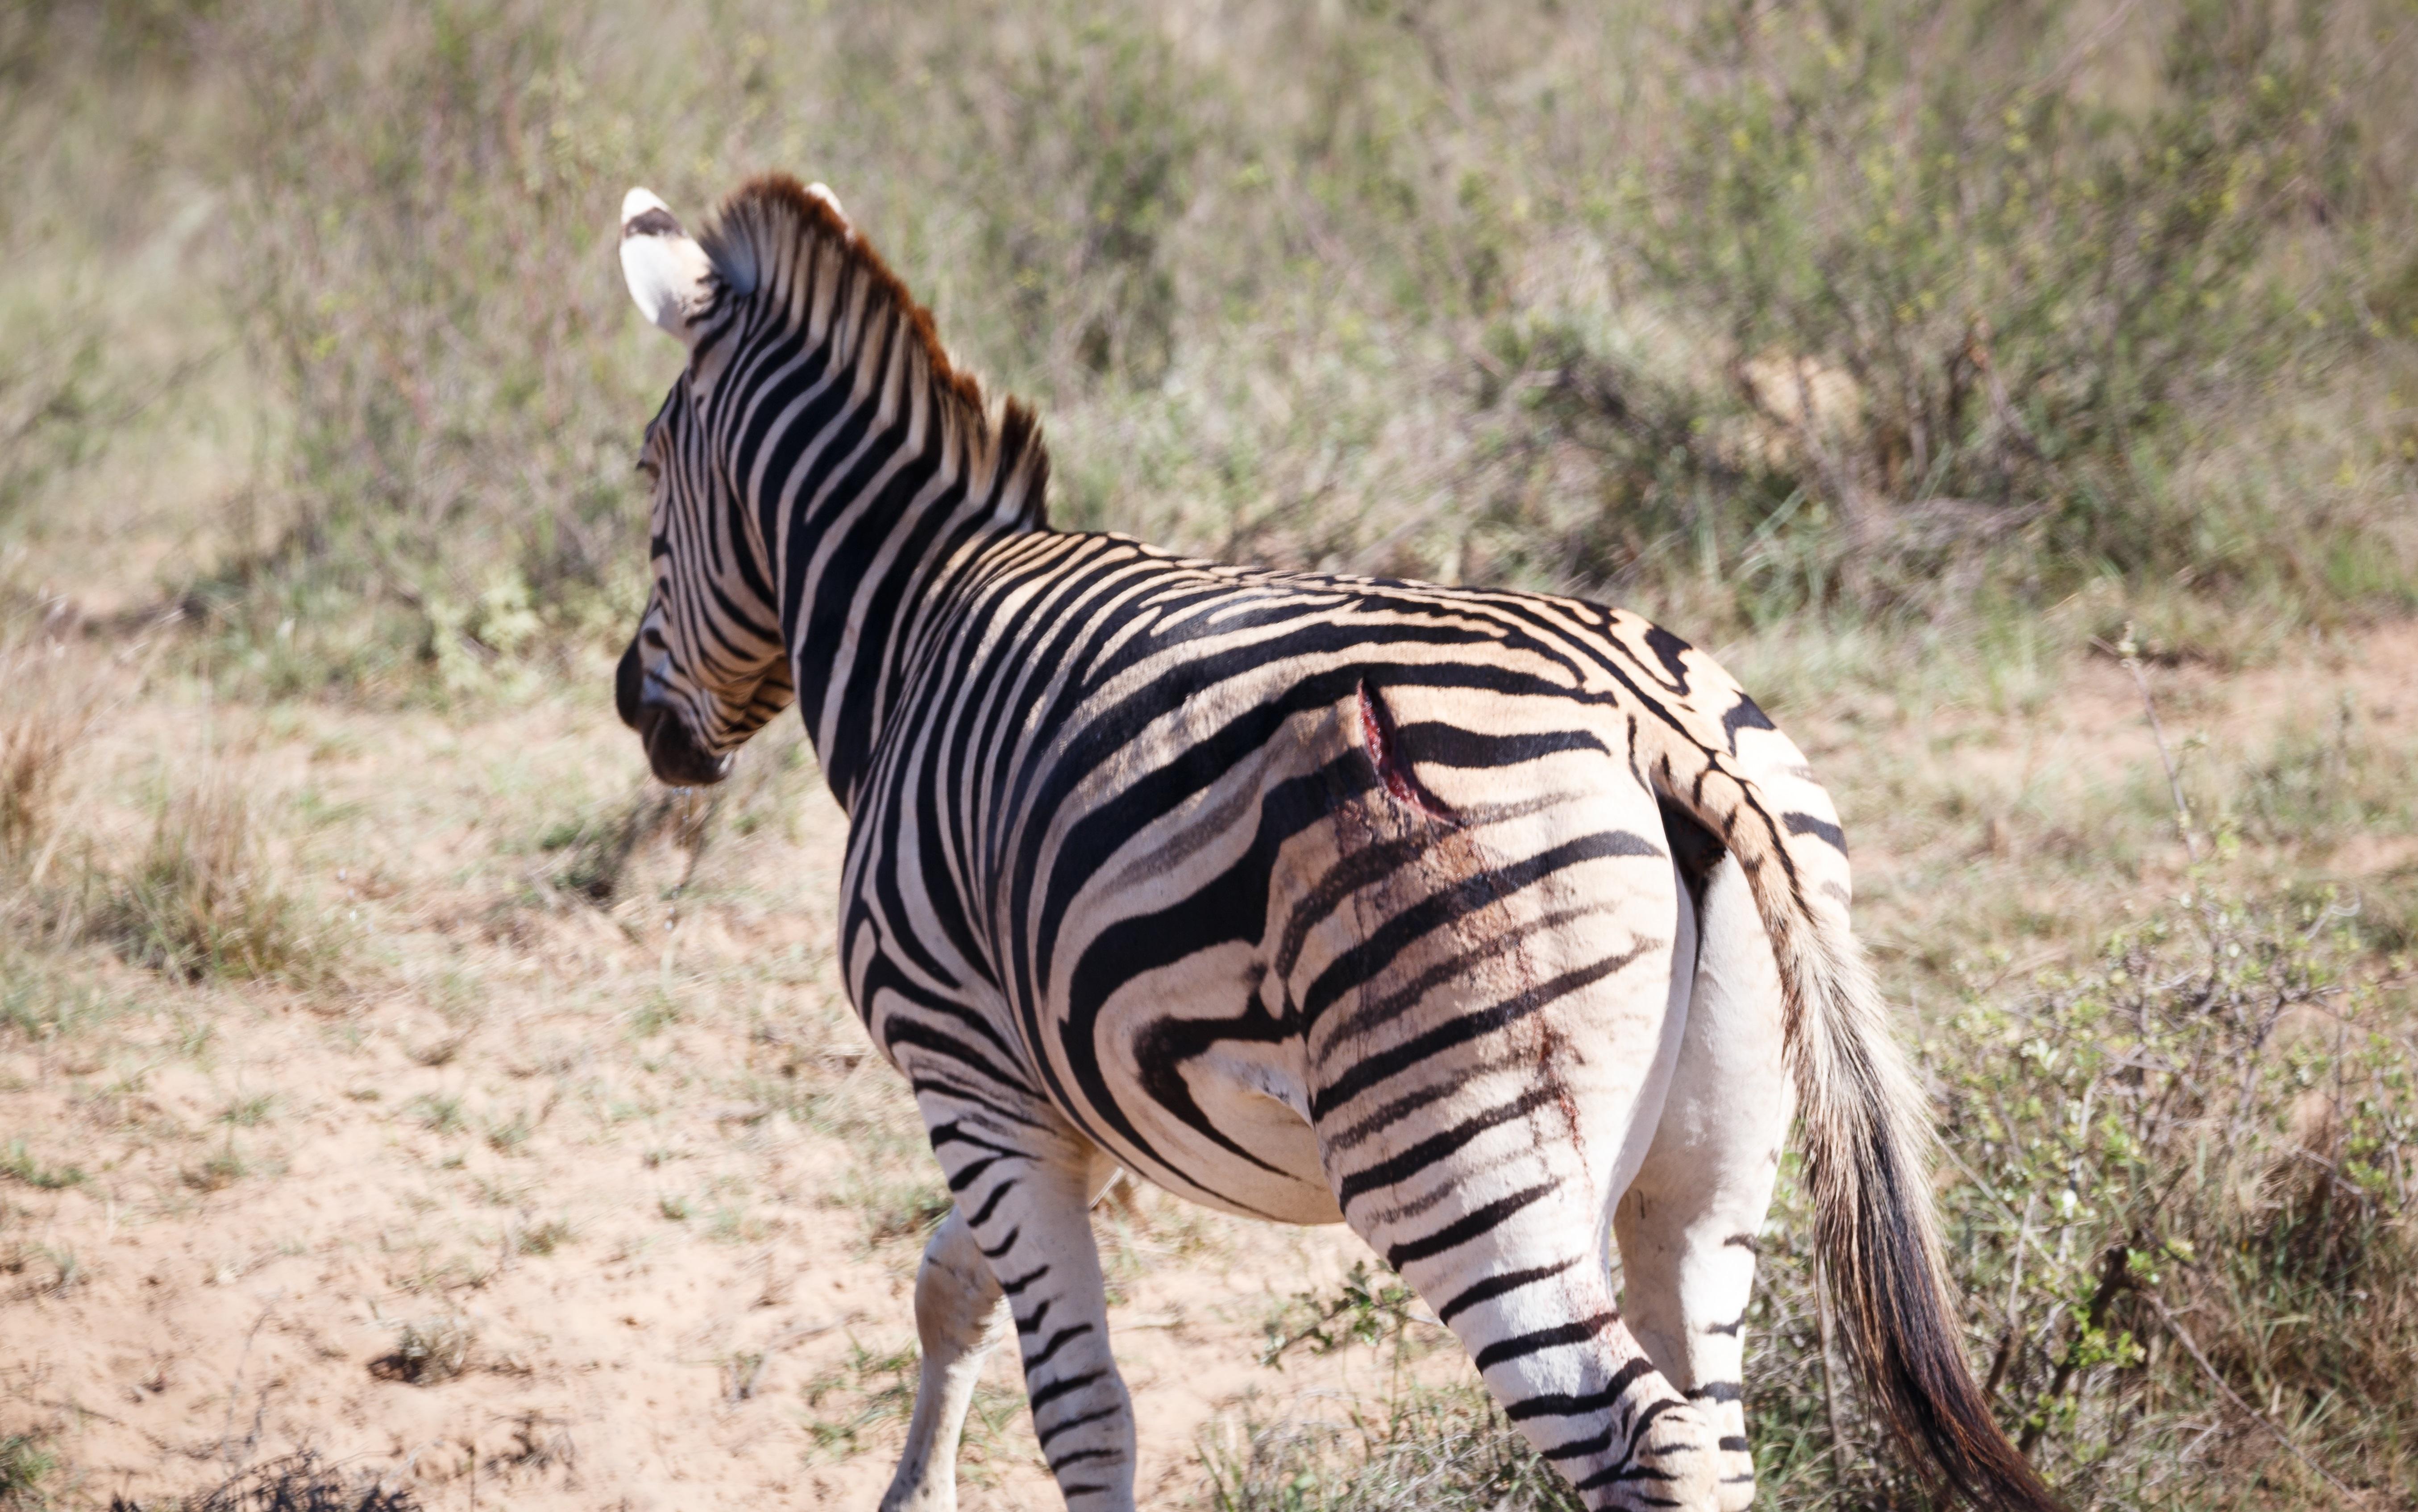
pixel 542 1238
pixel 740 1373
pixel 732 1225
pixel 222 1169
pixel 511 1137
pixel 437 1114
pixel 1369 1309
pixel 17 1161
pixel 656 1012
pixel 249 1112
pixel 676 1207
pixel 25 1464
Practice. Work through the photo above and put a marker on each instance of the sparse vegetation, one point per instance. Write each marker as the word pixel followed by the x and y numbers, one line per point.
pixel 18 1163
pixel 2182 1233
pixel 294 1483
pixel 873 1390
pixel 45 720
pixel 437 1114
pixel 221 1168
pixel 895 1204
pixel 1371 1307
pixel 429 1351
pixel 25 1464
pixel 1426 1448
pixel 201 901
pixel 542 1237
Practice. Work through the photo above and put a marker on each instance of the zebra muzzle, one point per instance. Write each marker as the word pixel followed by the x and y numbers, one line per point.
pixel 677 758
pixel 671 751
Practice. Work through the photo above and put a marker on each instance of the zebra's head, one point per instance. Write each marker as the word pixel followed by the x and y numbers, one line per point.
pixel 707 667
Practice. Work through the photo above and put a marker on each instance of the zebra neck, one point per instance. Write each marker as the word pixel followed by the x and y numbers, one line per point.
pixel 864 586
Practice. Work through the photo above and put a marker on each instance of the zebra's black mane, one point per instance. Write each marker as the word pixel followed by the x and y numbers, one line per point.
pixel 773 227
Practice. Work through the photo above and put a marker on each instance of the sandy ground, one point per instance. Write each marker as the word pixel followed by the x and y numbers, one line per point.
pixel 514 1198
pixel 631 1164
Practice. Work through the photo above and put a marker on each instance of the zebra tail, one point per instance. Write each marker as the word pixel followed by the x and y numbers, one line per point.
pixel 1866 1132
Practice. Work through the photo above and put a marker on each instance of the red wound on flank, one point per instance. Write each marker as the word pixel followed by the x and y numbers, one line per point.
pixel 1393 767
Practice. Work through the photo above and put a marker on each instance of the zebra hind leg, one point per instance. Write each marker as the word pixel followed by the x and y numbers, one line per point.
pixel 1496 1220
pixel 960 1316
pixel 1534 1308
pixel 1687 1224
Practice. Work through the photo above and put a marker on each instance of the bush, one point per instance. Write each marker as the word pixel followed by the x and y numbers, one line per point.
pixel 422 231
pixel 1908 305
pixel 1975 321
pixel 2174 1202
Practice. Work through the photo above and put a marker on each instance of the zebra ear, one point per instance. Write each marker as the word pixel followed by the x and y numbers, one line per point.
pixel 665 268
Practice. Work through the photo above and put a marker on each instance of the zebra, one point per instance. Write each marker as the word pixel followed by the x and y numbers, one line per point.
pixel 1504 928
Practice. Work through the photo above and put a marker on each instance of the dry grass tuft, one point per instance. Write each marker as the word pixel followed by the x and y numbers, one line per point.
pixel 45 718
pixel 1419 1451
pixel 428 1351
pixel 203 903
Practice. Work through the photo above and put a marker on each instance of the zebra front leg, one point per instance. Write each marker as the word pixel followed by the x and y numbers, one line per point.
pixel 961 1315
pixel 1027 1195
pixel 1687 1224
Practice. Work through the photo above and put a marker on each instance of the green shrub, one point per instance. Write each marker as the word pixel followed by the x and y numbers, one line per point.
pixel 1976 322
pixel 2175 1196
pixel 1916 307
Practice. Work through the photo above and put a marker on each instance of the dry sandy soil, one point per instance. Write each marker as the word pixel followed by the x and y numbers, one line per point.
pixel 508 1195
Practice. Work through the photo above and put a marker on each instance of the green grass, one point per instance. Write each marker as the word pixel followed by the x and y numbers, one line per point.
pixel 16 1163
pixel 437 1114
pixel 25 1464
